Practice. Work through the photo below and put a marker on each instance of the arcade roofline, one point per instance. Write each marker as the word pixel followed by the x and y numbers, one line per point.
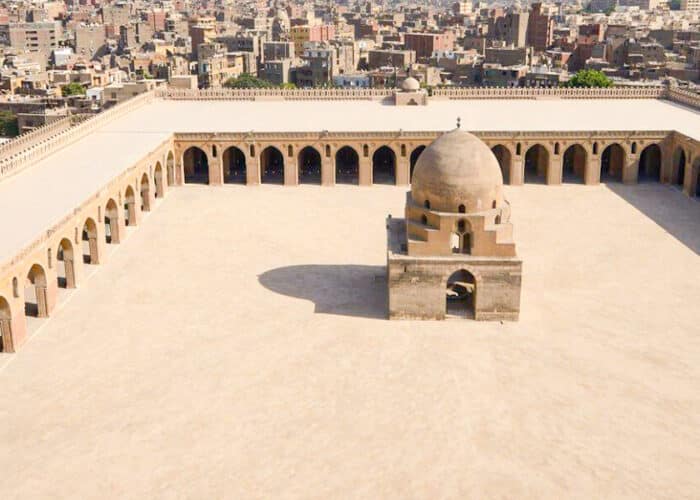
pixel 34 146
pixel 647 92
pixel 325 136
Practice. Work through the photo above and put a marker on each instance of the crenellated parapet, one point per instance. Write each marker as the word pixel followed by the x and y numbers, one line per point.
pixel 455 93
pixel 272 94
pixel 655 92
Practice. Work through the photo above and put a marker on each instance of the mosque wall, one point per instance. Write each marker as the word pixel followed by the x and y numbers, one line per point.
pixel 66 252
pixel 327 159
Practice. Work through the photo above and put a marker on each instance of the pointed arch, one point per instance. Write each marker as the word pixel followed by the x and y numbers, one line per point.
pixel 36 302
pixel 65 268
pixel 196 166
pixel 272 166
pixel 574 164
pixel 90 250
pixel 650 164
pixel 130 215
pixel 536 164
pixel 679 164
pixel 503 156
pixel 347 166
pixel 461 293
pixel 111 221
pixel 384 166
pixel 612 163
pixel 309 166
pixel 235 168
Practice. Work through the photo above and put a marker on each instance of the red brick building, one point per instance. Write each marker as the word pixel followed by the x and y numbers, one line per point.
pixel 540 28
pixel 424 44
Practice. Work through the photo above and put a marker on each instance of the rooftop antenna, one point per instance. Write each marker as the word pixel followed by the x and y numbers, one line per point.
pixel 459 122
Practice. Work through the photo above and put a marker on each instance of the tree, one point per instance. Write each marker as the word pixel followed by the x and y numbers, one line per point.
pixel 589 78
pixel 8 124
pixel 72 89
pixel 247 81
pixel 675 4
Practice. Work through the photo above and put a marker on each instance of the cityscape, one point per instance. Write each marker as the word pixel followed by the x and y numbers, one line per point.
pixel 63 58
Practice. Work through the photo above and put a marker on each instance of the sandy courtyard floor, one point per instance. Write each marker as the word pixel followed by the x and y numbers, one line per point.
pixel 234 347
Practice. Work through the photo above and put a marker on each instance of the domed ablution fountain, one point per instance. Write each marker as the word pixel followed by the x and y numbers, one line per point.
pixel 453 255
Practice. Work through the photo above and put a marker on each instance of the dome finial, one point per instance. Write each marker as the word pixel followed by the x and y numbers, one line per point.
pixel 459 122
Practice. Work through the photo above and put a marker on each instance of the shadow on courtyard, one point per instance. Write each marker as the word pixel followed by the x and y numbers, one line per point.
pixel 347 290
pixel 666 205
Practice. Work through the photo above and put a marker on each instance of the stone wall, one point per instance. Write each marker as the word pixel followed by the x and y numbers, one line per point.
pixel 417 286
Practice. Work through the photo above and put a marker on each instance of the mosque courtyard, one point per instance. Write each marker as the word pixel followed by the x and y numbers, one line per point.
pixel 236 346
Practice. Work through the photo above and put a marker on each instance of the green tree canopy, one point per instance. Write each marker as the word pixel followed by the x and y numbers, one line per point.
pixel 72 89
pixel 589 78
pixel 247 81
pixel 8 124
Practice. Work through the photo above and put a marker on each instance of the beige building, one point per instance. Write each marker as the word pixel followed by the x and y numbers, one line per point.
pixel 119 92
pixel 215 66
pixel 693 5
pixel 34 37
pixel 391 57
pixel 89 39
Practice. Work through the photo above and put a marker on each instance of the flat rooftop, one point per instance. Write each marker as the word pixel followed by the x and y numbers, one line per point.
pixel 365 116
pixel 42 195
pixel 255 360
